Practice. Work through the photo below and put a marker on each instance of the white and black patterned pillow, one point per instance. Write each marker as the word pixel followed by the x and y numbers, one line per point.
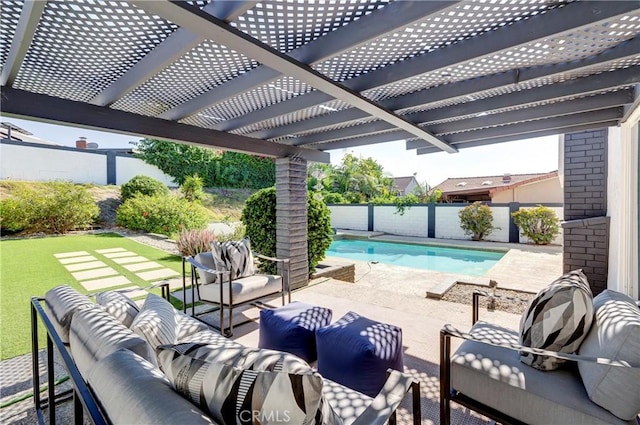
pixel 118 306
pixel 238 258
pixel 558 319
pixel 260 389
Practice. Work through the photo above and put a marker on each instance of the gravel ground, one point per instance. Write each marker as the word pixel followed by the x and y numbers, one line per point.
pixel 159 242
pixel 461 293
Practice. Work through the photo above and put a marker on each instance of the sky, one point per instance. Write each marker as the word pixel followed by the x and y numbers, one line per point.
pixel 525 156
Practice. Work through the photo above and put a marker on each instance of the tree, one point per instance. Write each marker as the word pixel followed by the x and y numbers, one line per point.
pixel 358 180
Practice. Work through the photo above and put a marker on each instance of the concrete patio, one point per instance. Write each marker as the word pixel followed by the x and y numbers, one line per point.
pixel 385 293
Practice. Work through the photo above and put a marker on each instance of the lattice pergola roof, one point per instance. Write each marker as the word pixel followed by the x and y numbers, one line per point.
pixel 293 77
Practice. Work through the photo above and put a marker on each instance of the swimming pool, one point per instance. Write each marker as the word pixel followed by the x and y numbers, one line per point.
pixel 471 262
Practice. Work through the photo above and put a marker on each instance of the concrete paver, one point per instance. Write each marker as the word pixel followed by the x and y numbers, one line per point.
pixel 109 282
pixel 105 251
pixel 84 266
pixel 70 254
pixel 119 254
pixel 73 260
pixel 141 266
pixel 127 260
pixel 95 273
pixel 157 274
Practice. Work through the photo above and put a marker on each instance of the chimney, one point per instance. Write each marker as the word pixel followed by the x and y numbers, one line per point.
pixel 506 178
pixel 81 143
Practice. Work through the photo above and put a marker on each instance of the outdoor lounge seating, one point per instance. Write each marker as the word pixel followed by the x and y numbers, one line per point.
pixel 227 278
pixel 601 385
pixel 126 374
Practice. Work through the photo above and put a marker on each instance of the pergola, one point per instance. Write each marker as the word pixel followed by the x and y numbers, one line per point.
pixel 293 79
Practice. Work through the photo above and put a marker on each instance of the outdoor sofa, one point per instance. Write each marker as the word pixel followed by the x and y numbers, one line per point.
pixel 598 385
pixel 128 365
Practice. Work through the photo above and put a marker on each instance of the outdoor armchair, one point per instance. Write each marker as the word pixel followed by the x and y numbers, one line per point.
pixel 226 292
pixel 486 375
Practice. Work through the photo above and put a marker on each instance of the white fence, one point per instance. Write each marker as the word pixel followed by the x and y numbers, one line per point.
pixel 36 162
pixel 416 220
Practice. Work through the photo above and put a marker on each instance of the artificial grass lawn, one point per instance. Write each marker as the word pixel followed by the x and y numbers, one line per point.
pixel 28 268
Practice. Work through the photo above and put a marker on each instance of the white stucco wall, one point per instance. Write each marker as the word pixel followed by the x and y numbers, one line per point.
pixel 412 223
pixel 501 220
pixel 351 217
pixel 540 192
pixel 448 223
pixel 622 206
pixel 30 163
pixel 127 168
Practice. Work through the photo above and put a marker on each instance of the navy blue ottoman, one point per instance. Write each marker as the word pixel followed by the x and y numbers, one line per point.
pixel 356 352
pixel 292 328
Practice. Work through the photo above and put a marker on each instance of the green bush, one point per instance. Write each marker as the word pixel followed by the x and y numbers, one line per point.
pixel 142 185
pixel 192 188
pixel 52 207
pixel 161 214
pixel 259 217
pixel 476 220
pixel 539 224
pixel 333 198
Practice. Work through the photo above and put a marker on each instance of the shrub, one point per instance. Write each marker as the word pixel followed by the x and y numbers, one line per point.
pixel 476 220
pixel 192 188
pixel 539 224
pixel 259 216
pixel 193 242
pixel 161 214
pixel 239 231
pixel 333 198
pixel 142 185
pixel 52 207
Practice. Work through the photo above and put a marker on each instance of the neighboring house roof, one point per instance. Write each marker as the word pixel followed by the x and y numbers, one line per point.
pixel 462 185
pixel 401 183
pixel 18 135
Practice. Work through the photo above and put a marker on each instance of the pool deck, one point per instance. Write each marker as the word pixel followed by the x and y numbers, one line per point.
pixel 524 267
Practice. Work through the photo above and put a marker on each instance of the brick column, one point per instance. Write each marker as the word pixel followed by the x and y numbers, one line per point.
pixel 586 227
pixel 291 217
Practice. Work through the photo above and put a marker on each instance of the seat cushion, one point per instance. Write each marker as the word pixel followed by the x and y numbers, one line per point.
pixel 284 391
pixel 144 395
pixel 244 289
pixel 211 338
pixel 159 323
pixel 557 319
pixel 94 334
pixel 615 335
pixel 119 306
pixel 61 303
pixel 347 404
pixel 496 377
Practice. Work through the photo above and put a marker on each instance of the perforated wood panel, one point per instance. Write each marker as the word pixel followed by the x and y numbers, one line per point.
pixel 201 69
pixel 9 16
pixel 454 24
pixel 286 25
pixel 79 48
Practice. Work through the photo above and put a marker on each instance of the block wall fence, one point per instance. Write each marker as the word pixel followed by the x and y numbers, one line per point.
pixel 431 220
pixel 39 162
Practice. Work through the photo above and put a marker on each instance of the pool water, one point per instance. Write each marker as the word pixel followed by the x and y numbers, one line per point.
pixel 471 262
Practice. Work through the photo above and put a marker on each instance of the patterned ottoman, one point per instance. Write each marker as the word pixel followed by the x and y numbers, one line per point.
pixel 356 352
pixel 292 328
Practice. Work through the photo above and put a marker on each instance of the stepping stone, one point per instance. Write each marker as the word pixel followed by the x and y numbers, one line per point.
pixel 119 254
pixel 85 266
pixel 157 274
pixel 109 282
pixel 70 254
pixel 133 292
pixel 127 260
pixel 142 266
pixel 74 260
pixel 104 251
pixel 92 274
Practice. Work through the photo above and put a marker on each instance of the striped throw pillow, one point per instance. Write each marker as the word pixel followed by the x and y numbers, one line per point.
pixel 558 319
pixel 263 390
pixel 238 258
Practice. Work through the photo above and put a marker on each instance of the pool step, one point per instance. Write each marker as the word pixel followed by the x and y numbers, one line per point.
pixel 438 291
